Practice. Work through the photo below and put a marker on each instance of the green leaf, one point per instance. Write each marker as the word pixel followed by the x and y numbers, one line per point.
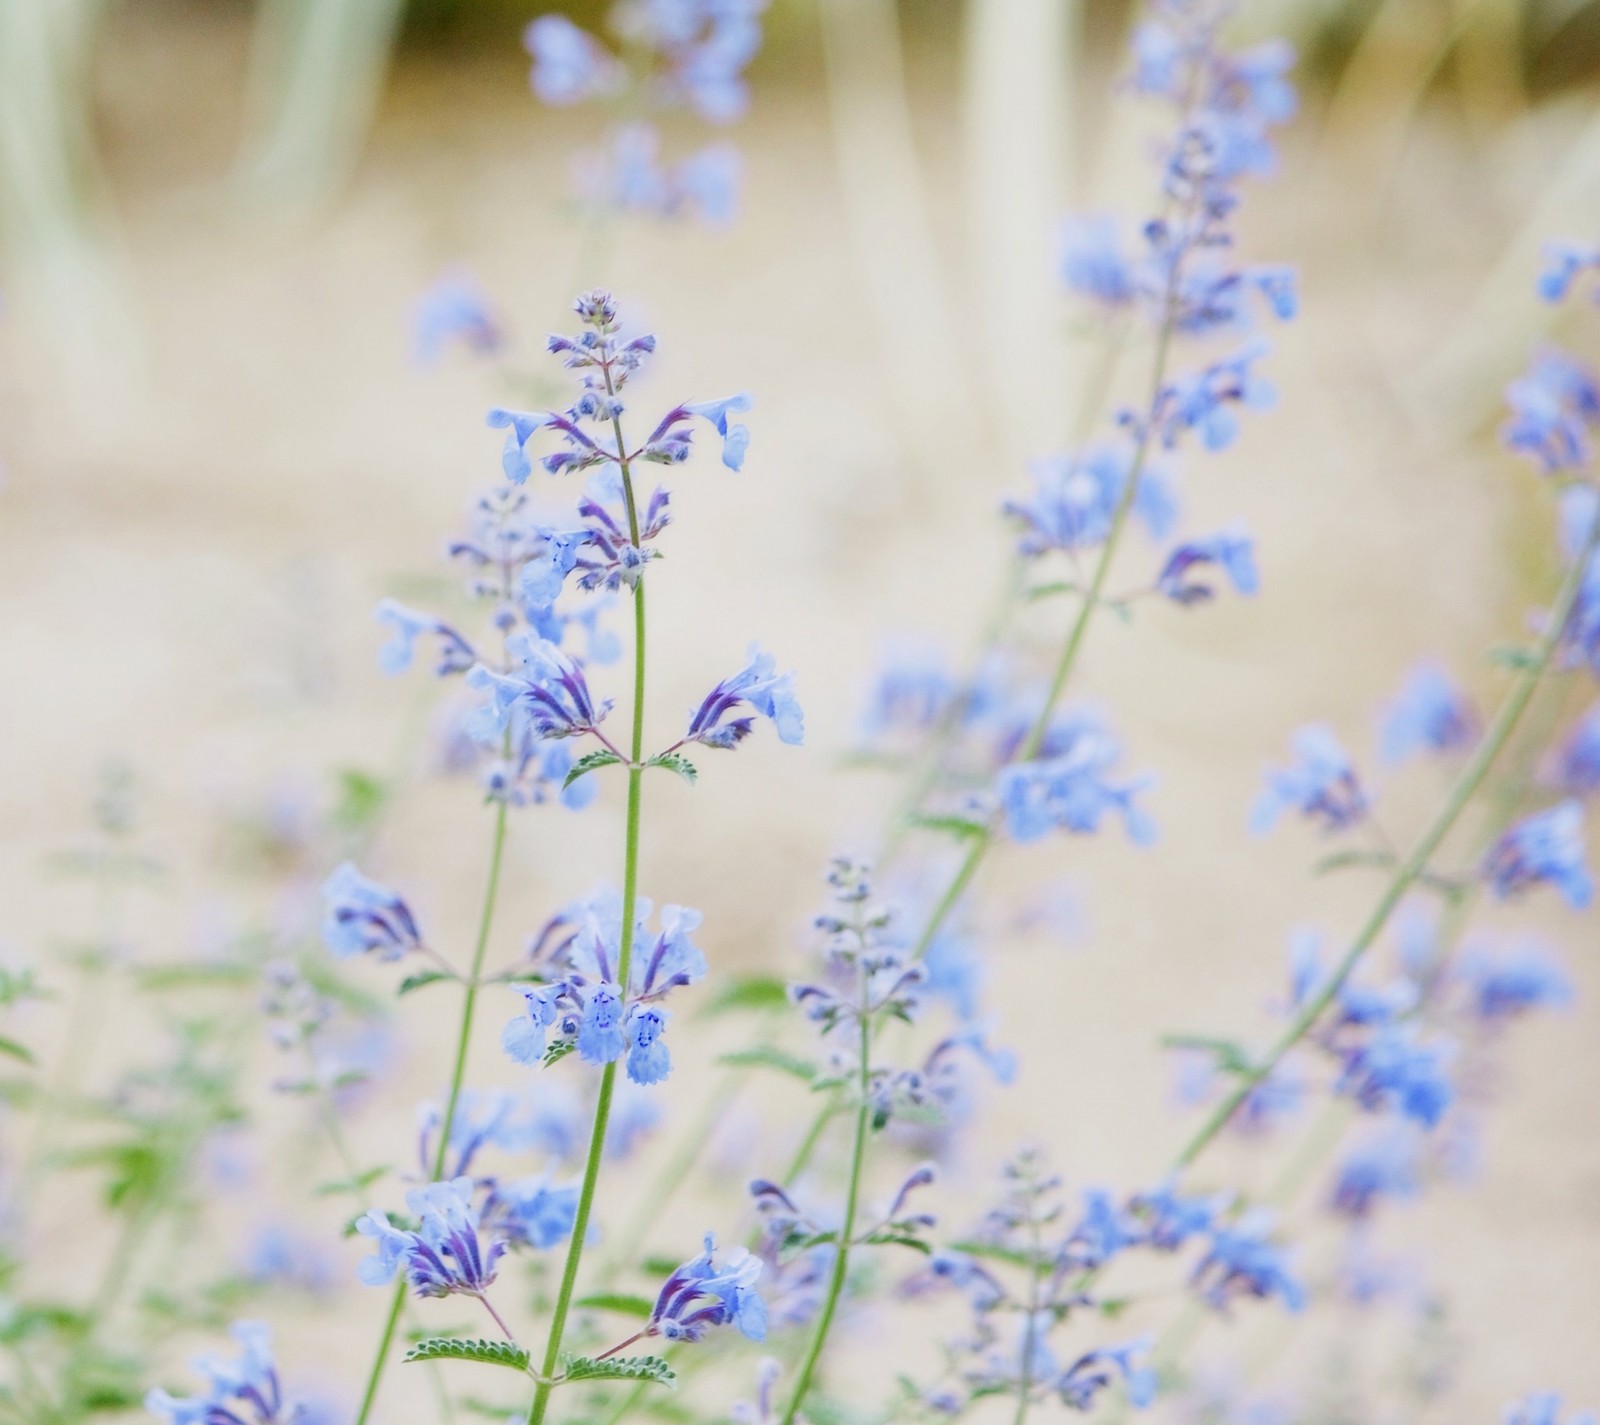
pixel 558 1051
pixel 588 763
pixel 1519 660
pixel 448 1348
pixel 766 1057
pixel 619 1302
pixel 361 798
pixel 961 827
pixel 360 1183
pixel 1049 591
pixel 674 763
pixel 898 1239
pixel 1342 860
pixel 646 1368
pixel 749 992
pixel 1231 1058
pixel 421 978
pixel 991 1252
pixel 16 1051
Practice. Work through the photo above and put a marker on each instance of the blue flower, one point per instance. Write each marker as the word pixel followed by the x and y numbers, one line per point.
pixel 1547 846
pixel 1553 408
pixel 456 655
pixel 1577 766
pixel 630 176
pixel 1542 1409
pixel 700 1295
pixel 735 437
pixel 1204 401
pixel 1168 1220
pixel 569 64
pixel 757 685
pixel 648 1059
pixel 1564 263
pixel 1321 784
pixel 600 1036
pixel 443 1257
pixel 1071 791
pixel 1093 263
pixel 531 1213
pixel 1234 554
pixel 1244 1261
pixel 523 1038
pixel 1076 498
pixel 1085 1378
pixel 1509 984
pixel 245 1391
pixel 1394 1069
pixel 361 916
pixel 1101 1233
pixel 545 683
pixel 1429 714
pixel 454 308
pixel 1383 1167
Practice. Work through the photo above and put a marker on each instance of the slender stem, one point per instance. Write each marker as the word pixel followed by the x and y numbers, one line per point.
pixel 1466 785
pixel 498 1321
pixel 1025 1367
pixel 630 897
pixel 469 1001
pixel 852 1201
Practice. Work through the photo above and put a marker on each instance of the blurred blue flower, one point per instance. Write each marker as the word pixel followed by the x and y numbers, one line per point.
pixel 700 1295
pixel 1233 554
pixel 360 916
pixel 1321 784
pixel 1429 714
pixel 1548 846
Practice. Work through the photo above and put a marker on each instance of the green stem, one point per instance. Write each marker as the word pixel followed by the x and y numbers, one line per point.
pixel 463 1042
pixel 852 1202
pixel 630 897
pixel 1465 786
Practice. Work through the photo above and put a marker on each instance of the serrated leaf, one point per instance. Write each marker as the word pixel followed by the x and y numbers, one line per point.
pixel 589 762
pixel 16 1051
pixel 421 978
pixel 645 1368
pixel 558 1051
pixel 963 828
pixel 674 763
pixel 755 992
pixel 620 1302
pixel 490 1353
pixel 765 1057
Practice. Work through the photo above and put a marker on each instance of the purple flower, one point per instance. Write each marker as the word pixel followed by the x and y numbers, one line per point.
pixel 599 1035
pixel 1429 714
pixel 1085 1378
pixel 1515 981
pixel 1383 1167
pixel 454 308
pixel 1547 846
pixel 456 655
pixel 244 1391
pixel 1394 1069
pixel 1204 402
pixel 1320 784
pixel 1076 498
pixel 1553 408
pixel 1093 263
pixel 1244 1261
pixel 531 1213
pixel 1071 791
pixel 1578 759
pixel 547 685
pixel 569 64
pixel 1564 263
pixel 1233 554
pixel 361 916
pixel 757 685
pixel 700 1295
pixel 443 1256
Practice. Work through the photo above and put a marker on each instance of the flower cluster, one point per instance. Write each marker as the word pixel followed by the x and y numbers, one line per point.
pixel 671 54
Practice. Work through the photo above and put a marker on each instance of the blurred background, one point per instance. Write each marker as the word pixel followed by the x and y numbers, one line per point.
pixel 219 451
